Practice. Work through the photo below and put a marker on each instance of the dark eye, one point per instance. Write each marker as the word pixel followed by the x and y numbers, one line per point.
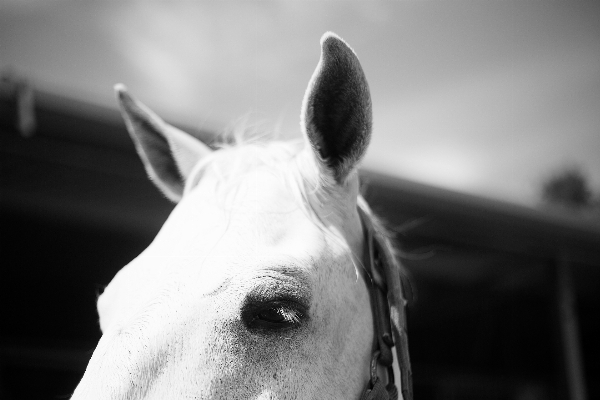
pixel 273 316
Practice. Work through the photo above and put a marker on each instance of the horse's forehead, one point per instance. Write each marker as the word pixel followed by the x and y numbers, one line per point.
pixel 259 208
pixel 211 236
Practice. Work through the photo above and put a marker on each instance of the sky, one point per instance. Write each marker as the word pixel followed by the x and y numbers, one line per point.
pixel 483 97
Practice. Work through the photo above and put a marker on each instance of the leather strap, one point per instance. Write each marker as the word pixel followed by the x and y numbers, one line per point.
pixel 388 307
pixel 380 392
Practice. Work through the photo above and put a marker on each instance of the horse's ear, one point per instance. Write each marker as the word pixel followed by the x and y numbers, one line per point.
pixel 336 111
pixel 168 153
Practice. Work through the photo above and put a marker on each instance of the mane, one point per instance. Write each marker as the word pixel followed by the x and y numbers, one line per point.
pixel 385 238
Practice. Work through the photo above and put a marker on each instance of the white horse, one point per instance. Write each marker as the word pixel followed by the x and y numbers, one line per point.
pixel 257 285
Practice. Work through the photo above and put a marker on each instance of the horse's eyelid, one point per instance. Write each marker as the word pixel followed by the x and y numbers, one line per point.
pixel 285 292
pixel 285 301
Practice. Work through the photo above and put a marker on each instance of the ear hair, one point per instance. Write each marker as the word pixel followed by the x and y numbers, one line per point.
pixel 336 111
pixel 168 153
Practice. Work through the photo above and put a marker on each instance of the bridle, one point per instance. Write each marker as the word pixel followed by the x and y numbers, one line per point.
pixel 389 315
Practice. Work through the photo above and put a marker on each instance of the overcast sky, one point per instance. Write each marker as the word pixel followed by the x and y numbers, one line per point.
pixel 484 97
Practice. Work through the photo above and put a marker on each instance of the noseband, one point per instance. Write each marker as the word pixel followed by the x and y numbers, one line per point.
pixel 389 315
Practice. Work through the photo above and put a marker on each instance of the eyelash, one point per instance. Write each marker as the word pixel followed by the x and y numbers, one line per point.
pixel 290 315
pixel 273 316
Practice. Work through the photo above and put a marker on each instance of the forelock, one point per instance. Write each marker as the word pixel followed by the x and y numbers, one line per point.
pixel 296 170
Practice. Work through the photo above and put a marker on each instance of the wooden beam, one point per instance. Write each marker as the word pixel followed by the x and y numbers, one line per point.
pixel 568 325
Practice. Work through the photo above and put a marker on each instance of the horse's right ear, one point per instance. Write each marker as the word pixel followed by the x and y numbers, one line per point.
pixel 168 153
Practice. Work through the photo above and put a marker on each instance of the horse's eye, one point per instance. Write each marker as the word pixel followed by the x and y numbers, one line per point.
pixel 273 316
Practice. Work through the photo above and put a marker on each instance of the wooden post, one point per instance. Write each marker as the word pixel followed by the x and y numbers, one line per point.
pixel 568 327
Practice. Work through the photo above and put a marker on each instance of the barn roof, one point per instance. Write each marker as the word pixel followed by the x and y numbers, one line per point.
pixel 81 164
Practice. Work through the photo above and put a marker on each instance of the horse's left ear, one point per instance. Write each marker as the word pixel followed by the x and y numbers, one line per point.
pixel 336 111
pixel 168 154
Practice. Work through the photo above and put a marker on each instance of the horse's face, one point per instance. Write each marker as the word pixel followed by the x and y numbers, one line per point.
pixel 242 296
pixel 253 287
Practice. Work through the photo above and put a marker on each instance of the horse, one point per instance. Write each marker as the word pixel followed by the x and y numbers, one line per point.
pixel 268 279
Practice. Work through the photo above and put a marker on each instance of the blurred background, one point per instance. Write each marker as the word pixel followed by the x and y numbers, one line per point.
pixel 484 159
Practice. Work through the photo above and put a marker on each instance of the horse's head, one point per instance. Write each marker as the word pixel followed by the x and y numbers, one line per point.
pixel 253 289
